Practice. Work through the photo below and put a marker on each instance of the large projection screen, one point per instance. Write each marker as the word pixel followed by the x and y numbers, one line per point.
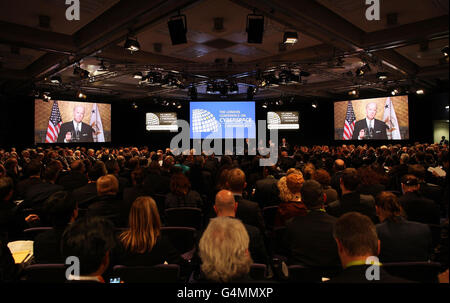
pixel 222 120
pixel 62 122
pixel 385 118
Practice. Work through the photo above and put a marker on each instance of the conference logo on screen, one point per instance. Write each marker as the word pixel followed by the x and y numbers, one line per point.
pixel 203 121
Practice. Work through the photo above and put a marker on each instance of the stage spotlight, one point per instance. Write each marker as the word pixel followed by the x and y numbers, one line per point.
pixel 420 92
pixel 394 92
pixel 132 44
pixel 255 28
pixel 46 96
pixel 290 37
pixel 137 75
pixel 445 51
pixel 314 104
pixel 178 29
pixel 264 105
pixel 353 92
pixel 77 70
pixel 382 75
pixel 134 105
pixel 80 95
pixel 56 79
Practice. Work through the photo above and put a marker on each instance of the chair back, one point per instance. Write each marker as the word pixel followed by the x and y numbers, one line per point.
pixel 424 272
pixel 31 233
pixel 45 273
pixel 300 273
pixel 161 273
pixel 184 216
pixel 258 271
pixel 269 213
pixel 182 238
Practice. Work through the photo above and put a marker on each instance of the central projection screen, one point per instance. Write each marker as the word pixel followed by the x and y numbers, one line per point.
pixel 222 120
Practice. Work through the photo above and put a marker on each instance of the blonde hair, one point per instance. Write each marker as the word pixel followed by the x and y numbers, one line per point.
pixel 223 249
pixel 286 194
pixel 145 226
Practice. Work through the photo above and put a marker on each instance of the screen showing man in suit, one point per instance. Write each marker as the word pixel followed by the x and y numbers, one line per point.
pixel 372 119
pixel 72 122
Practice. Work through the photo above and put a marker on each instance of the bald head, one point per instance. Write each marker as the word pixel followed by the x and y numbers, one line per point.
pixel 225 205
pixel 339 164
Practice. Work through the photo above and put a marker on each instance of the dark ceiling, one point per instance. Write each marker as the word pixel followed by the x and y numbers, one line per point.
pixel 335 42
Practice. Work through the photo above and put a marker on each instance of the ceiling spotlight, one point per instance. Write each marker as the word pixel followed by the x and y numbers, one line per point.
pixel 445 51
pixel 77 70
pixel 420 92
pixel 179 105
pixel 264 105
pixel 80 95
pixel 102 67
pixel 46 96
pixel 353 92
pixel 255 28
pixel 56 79
pixel 137 75
pixel 363 70
pixel 394 92
pixel 382 75
pixel 290 37
pixel 314 104
pixel 132 44
pixel 178 29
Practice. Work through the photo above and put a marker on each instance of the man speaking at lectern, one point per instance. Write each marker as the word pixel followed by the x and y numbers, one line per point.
pixel 370 128
pixel 76 130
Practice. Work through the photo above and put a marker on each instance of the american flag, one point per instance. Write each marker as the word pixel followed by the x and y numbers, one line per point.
pixel 54 124
pixel 349 122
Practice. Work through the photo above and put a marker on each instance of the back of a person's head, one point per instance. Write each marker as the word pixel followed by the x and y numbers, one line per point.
pixel 6 186
pixel 52 170
pixel 339 164
pixel 308 171
pixel 322 176
pixel 294 182
pixel 417 170
pixel 77 166
pixel 97 170
pixel 350 179
pixel 179 184
pixel 89 239
pixel 236 180
pixel 409 180
pixel 137 176
pixel 33 168
pixel 404 158
pixel 389 204
pixel 59 209
pixel 112 166
pixel 357 234
pixel 223 249
pixel 224 201
pixel 107 185
pixel 145 225
pixel 312 194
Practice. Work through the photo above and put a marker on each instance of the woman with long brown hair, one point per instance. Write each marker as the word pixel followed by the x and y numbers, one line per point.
pixel 142 243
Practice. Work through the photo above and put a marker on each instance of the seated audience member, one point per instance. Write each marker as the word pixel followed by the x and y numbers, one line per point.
pixel 247 211
pixel 60 210
pixel 142 244
pixel 75 178
pixel 131 193
pixel 2 171
pixel 291 204
pixel 398 171
pixel 38 193
pixel 34 177
pixel 351 200
pixel 107 204
pixel 266 189
pixel 401 240
pixel 324 178
pixel 91 240
pixel 181 194
pixel 225 206
pixel 113 168
pixel 84 195
pixel 357 240
pixel 338 168
pixel 154 182
pixel 417 207
pixel 12 220
pixel 309 239
pixel 370 182
pixel 224 251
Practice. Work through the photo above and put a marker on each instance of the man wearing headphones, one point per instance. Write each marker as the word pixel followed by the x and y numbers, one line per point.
pixel 309 239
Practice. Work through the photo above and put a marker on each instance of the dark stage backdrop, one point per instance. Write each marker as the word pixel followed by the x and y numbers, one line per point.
pixel 128 123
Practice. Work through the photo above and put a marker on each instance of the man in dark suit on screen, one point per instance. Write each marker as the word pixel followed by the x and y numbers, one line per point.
pixel 370 128
pixel 76 130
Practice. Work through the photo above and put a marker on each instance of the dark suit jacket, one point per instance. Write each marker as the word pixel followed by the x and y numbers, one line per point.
pixel 419 208
pixel 47 247
pixel 36 195
pixel 354 201
pixel 256 245
pixel 379 129
pixel 309 240
pixel 404 241
pixel 24 185
pixel 111 208
pixel 266 192
pixel 72 180
pixel 84 195
pixel 85 135
pixel 357 274
pixel 250 213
